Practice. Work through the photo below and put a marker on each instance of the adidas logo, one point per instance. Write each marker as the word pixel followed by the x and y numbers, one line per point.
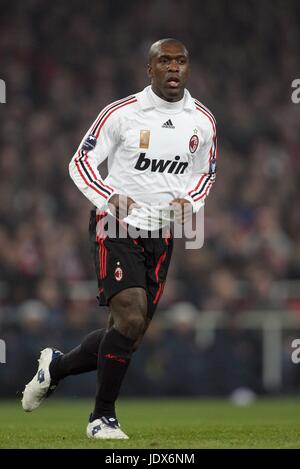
pixel 168 125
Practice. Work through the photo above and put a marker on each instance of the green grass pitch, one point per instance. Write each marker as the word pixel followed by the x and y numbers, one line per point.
pixel 164 423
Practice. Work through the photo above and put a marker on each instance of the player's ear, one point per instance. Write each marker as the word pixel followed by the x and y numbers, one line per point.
pixel 149 70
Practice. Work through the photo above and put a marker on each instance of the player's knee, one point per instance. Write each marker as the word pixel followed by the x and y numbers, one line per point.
pixel 131 325
pixel 134 326
pixel 129 309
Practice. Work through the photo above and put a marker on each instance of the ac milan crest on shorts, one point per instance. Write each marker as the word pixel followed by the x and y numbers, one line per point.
pixel 118 274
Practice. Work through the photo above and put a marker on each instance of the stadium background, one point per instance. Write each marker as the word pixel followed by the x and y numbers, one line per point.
pixel 230 310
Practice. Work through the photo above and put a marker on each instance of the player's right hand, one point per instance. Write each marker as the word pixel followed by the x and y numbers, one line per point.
pixel 121 205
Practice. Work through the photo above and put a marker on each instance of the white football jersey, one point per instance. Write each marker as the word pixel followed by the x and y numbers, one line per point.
pixel 156 151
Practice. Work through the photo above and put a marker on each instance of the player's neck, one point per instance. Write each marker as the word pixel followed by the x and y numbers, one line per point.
pixel 163 104
pixel 174 99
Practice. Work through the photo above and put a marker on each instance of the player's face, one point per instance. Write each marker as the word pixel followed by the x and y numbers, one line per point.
pixel 169 70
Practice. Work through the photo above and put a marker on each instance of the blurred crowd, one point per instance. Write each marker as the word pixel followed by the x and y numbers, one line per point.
pixel 62 62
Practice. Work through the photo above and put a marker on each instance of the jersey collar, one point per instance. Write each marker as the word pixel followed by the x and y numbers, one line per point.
pixel 146 103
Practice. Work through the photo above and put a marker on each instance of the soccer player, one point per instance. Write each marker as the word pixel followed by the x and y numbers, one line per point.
pixel 161 149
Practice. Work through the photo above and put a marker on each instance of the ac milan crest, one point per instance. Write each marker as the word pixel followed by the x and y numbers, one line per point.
pixel 118 274
pixel 194 142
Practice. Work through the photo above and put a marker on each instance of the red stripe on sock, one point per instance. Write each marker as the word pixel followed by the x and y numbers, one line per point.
pixel 110 356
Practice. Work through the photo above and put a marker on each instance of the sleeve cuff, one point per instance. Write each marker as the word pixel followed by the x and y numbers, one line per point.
pixel 196 205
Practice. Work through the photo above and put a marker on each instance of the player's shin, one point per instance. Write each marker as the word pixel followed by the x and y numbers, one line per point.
pixel 115 352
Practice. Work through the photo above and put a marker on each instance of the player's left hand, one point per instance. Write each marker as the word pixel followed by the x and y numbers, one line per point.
pixel 183 210
pixel 121 205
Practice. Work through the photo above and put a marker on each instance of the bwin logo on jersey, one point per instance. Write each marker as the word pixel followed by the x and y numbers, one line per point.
pixel 160 166
pixel 89 143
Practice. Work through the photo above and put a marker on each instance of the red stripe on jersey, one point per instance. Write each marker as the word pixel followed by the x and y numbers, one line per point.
pixel 212 120
pixel 206 192
pixel 95 181
pixel 197 102
pixel 108 108
pixel 209 117
pixel 202 187
pixel 87 183
pixel 199 182
pixel 85 160
pixel 111 112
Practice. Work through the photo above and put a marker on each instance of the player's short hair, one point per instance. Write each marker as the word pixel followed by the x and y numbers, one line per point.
pixel 153 49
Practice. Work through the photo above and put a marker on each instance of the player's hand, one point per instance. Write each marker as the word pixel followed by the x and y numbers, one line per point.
pixel 183 210
pixel 122 205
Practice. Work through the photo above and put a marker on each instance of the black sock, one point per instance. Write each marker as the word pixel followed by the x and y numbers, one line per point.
pixel 114 357
pixel 81 359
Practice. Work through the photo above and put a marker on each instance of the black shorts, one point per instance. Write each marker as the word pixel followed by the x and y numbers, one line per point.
pixel 125 262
